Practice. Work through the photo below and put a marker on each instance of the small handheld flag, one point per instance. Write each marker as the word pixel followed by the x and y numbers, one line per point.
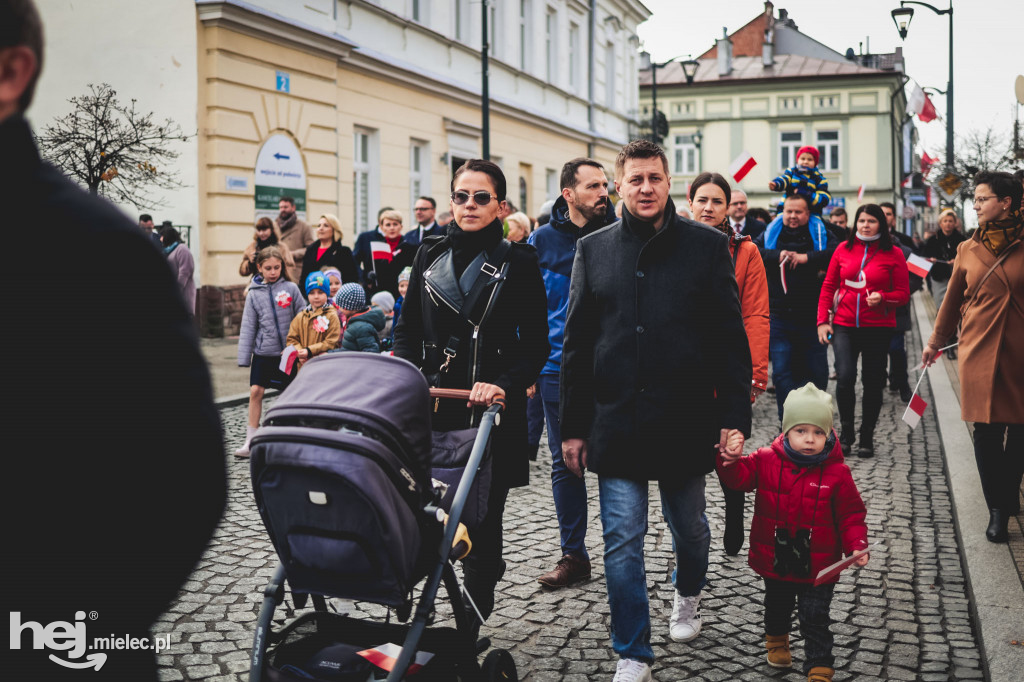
pixel 380 251
pixel 860 194
pixel 919 266
pixel 915 410
pixel 741 165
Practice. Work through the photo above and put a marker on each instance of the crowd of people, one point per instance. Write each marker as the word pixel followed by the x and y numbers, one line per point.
pixel 566 319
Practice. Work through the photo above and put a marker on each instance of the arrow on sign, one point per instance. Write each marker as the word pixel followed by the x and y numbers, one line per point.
pixel 279 156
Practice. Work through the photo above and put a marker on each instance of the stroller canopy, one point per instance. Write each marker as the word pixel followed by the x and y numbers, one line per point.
pixel 386 395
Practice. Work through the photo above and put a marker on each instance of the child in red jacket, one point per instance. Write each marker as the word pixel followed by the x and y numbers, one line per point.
pixel 808 512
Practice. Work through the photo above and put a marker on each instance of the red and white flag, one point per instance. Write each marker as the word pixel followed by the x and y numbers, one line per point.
pixel 919 104
pixel 927 162
pixel 741 165
pixel 919 266
pixel 860 194
pixel 907 181
pixel 381 251
pixel 932 197
pixel 915 410
pixel 386 655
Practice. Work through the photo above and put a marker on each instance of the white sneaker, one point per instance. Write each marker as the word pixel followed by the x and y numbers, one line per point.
pixel 632 670
pixel 685 623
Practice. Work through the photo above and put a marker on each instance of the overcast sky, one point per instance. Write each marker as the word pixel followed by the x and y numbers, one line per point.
pixel 987 44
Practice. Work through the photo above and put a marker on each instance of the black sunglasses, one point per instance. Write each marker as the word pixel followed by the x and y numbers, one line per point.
pixel 480 198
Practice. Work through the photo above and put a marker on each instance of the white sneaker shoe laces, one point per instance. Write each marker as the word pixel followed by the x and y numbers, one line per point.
pixel 632 670
pixel 685 623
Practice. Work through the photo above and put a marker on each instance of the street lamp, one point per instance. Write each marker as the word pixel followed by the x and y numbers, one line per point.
pixel 689 70
pixel 901 17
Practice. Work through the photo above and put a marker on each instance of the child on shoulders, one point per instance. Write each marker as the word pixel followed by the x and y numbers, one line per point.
pixel 808 512
pixel 805 179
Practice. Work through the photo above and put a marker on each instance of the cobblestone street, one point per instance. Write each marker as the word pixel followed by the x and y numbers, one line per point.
pixel 903 617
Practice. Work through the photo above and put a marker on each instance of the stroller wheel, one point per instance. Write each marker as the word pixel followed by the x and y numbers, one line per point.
pixel 499 667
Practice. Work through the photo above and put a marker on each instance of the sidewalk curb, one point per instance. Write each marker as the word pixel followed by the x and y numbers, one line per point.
pixel 239 398
pixel 994 587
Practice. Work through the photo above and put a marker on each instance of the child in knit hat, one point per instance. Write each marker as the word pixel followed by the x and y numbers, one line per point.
pixel 807 508
pixel 362 323
pixel 317 328
pixel 804 179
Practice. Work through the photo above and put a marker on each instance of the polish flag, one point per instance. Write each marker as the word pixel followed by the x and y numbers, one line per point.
pixel 919 104
pixel 927 162
pixel 386 655
pixel 915 410
pixel 919 266
pixel 907 181
pixel 860 194
pixel 381 251
pixel 932 197
pixel 739 168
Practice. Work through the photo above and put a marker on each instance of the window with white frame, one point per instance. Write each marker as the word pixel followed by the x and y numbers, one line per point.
pixel 789 143
pixel 493 34
pixel 419 10
pixel 419 170
pixel 550 43
pixel 609 74
pixel 525 35
pixel 827 143
pixel 574 56
pixel 685 155
pixel 460 12
pixel 365 177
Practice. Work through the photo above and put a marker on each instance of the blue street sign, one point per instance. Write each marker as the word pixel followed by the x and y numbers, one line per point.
pixel 283 82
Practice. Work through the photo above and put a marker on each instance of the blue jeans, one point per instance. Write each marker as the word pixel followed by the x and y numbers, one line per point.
pixel 569 490
pixel 796 357
pixel 624 517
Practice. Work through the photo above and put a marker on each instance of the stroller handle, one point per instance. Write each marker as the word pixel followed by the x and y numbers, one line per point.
pixel 462 394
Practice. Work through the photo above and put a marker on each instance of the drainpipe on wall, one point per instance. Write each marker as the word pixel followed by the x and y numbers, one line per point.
pixel 590 77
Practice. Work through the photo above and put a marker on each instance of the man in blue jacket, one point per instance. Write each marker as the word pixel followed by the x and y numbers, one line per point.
pixel 582 208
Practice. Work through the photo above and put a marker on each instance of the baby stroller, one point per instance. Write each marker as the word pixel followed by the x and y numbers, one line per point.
pixel 342 475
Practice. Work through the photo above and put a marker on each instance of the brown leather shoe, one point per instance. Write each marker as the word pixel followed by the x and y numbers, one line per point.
pixel 820 673
pixel 567 571
pixel 778 651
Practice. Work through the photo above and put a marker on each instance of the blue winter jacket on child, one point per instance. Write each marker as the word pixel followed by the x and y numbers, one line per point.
pixel 808 182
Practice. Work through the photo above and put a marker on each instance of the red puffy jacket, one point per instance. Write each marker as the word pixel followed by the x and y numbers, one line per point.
pixel 884 271
pixel 823 498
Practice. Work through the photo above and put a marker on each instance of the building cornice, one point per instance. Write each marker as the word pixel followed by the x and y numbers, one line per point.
pixel 703 86
pixel 258 23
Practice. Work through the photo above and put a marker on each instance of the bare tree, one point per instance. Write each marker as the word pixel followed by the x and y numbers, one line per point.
pixel 113 149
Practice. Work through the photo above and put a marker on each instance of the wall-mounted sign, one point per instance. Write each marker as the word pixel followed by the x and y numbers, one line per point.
pixel 283 82
pixel 236 183
pixel 279 173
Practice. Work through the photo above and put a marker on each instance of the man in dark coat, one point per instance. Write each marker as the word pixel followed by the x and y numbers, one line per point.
pixel 655 370
pixel 739 221
pixel 423 213
pixel 117 479
pixel 582 208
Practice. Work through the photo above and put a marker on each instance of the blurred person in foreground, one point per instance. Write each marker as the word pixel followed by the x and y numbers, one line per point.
pixel 121 474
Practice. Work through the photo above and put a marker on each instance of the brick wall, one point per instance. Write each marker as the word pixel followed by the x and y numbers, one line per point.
pixel 220 310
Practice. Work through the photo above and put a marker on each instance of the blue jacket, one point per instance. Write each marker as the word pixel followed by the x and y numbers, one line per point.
pixel 556 248
pixel 808 182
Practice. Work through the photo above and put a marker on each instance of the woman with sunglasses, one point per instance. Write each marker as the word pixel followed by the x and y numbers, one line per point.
pixel 475 317
pixel 985 296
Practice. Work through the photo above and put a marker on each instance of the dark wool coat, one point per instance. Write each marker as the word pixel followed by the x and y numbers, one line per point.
pixel 512 351
pixel 823 498
pixel 120 458
pixel 655 360
pixel 336 256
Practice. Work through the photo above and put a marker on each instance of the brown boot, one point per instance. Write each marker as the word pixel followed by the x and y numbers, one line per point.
pixel 820 673
pixel 568 570
pixel 778 651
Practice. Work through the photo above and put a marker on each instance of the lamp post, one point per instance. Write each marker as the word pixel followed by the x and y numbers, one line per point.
pixel 901 17
pixel 485 97
pixel 689 70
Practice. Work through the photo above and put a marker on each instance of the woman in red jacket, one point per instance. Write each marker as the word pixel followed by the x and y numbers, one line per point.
pixel 866 281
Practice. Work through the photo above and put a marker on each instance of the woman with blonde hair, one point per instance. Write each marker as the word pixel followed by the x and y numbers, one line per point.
pixel 518 227
pixel 940 249
pixel 267 234
pixel 327 251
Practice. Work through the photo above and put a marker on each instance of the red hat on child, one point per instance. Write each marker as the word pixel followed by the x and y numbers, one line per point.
pixel 813 151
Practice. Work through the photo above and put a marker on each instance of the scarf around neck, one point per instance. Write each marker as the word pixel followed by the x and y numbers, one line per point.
pixel 286 225
pixel 996 235
pixel 809 460
pixel 466 245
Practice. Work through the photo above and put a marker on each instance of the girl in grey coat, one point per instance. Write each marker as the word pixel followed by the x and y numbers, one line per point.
pixel 273 300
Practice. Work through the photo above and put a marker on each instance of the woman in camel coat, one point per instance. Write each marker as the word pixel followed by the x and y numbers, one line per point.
pixel 988 300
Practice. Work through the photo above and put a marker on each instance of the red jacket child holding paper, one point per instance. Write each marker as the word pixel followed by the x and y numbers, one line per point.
pixel 807 514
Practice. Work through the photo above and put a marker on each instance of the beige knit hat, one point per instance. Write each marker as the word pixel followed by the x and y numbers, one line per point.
pixel 807 405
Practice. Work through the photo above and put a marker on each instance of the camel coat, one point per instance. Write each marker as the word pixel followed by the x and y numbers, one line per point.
pixel 991 351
